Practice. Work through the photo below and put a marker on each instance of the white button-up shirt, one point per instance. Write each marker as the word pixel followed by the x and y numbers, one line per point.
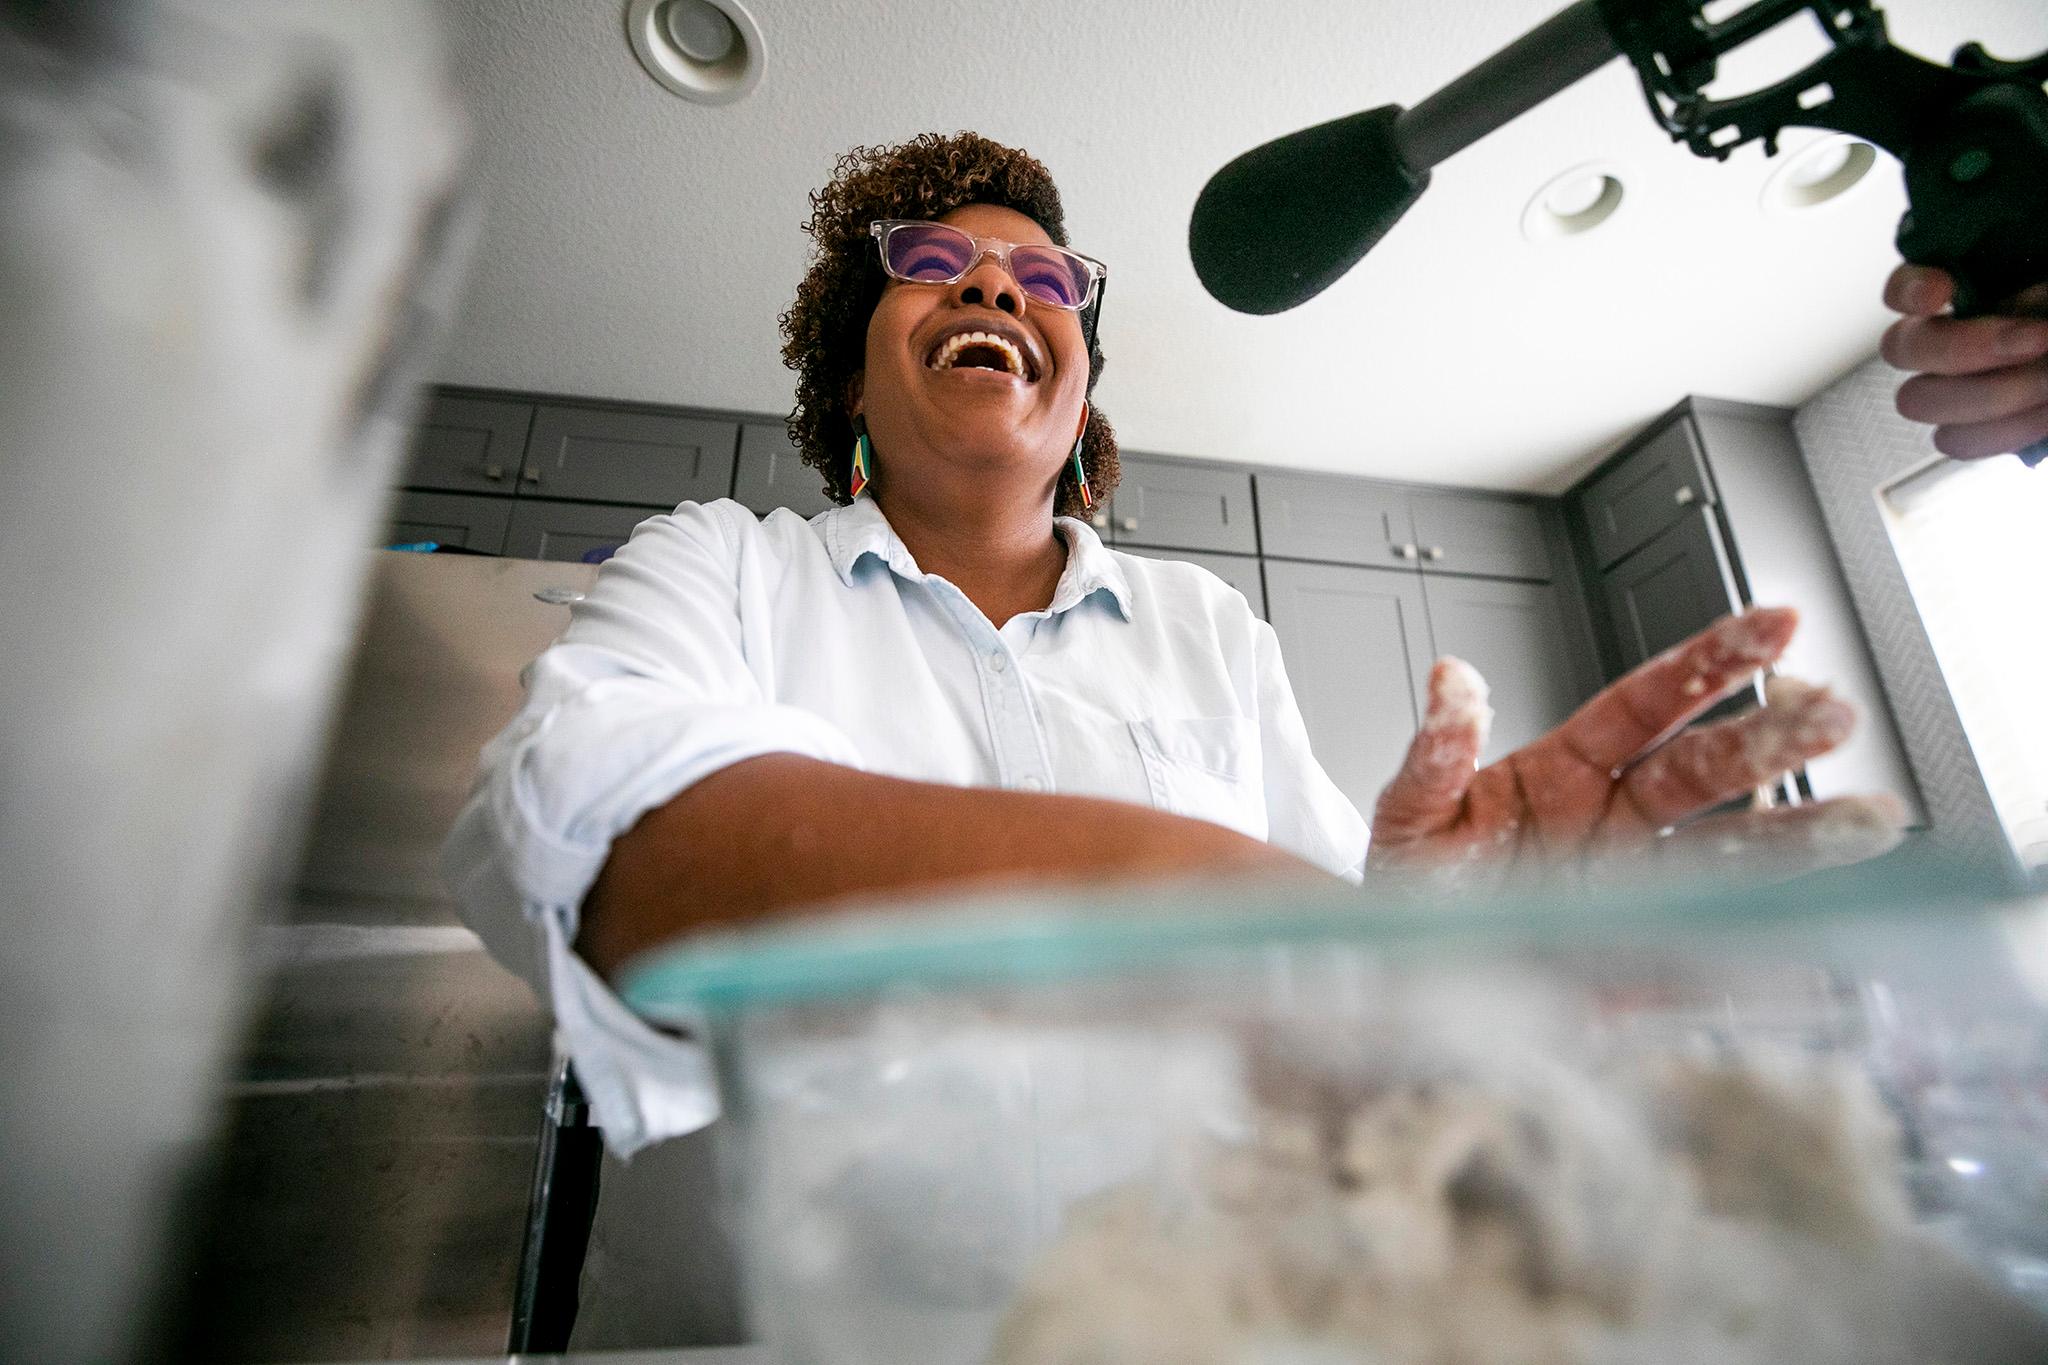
pixel 712 637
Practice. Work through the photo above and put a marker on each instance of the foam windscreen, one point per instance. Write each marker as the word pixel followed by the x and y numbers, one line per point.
pixel 1283 222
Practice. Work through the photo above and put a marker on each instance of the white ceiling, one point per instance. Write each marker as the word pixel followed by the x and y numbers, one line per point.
pixel 638 246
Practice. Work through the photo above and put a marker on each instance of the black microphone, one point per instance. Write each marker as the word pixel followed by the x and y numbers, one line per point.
pixel 1283 222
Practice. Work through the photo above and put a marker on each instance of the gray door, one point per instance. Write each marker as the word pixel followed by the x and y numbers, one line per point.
pixel 1343 521
pixel 1183 507
pixel 468 445
pixel 1239 571
pixel 1515 635
pixel 1356 644
pixel 573 531
pixel 1677 585
pixel 611 455
pixel 1655 488
pixel 1472 533
pixel 771 473
pixel 472 523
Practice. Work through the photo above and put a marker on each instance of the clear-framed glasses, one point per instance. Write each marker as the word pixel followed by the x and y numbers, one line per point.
pixel 934 253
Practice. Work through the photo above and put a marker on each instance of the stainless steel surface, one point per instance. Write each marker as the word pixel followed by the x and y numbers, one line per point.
pixel 381 1134
pixel 436 675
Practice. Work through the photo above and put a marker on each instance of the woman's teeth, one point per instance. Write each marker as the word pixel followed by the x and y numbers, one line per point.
pixel 950 351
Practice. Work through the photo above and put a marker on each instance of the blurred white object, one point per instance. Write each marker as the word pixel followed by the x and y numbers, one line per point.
pixel 225 230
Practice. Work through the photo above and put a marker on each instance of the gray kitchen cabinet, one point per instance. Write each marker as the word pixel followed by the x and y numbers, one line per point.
pixel 1475 533
pixel 1671 589
pixel 772 474
pixel 654 459
pixel 1784 556
pixel 464 520
pixel 1239 571
pixel 1174 505
pixel 469 445
pixel 1649 490
pixel 576 532
pixel 1674 587
pixel 1516 635
pixel 1342 520
pixel 1357 647
pixel 1740 526
pixel 1335 519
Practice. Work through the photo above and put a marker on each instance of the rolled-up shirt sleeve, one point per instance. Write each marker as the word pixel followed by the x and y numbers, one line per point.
pixel 1306 814
pixel 652 688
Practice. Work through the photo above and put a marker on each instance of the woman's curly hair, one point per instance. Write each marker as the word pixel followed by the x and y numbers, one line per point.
pixel 825 331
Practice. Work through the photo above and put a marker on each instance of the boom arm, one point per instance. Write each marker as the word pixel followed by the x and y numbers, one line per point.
pixel 1972 136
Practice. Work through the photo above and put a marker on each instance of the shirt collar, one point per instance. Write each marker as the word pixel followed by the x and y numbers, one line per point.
pixel 859 529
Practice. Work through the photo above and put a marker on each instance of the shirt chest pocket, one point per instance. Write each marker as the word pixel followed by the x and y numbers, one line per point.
pixel 1207 768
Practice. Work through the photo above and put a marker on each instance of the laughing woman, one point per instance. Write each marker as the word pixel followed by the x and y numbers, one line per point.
pixel 948 680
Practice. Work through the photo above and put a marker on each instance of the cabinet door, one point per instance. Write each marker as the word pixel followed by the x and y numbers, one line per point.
pixel 771 473
pixel 1471 533
pixel 1356 643
pixel 1515 634
pixel 572 531
pixel 469 445
pixel 1183 507
pixel 1239 571
pixel 1657 487
pixel 1675 586
pixel 472 523
pixel 1344 521
pixel 610 455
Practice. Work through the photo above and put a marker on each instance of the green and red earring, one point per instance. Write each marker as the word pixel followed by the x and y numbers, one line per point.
pixel 863 457
pixel 1080 470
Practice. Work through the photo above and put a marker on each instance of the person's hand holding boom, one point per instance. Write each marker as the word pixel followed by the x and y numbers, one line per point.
pixel 1982 381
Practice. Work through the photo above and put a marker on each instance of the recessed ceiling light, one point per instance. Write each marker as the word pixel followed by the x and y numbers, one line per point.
pixel 1822 171
pixel 709 51
pixel 1578 201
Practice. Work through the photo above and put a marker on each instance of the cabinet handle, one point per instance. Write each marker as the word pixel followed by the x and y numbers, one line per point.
pixel 1100 521
pixel 494 472
pixel 1433 553
pixel 1684 495
pixel 1405 551
pixel 1128 524
pixel 530 475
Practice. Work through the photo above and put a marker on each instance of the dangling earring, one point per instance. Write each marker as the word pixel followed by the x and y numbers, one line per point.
pixel 1080 471
pixel 863 456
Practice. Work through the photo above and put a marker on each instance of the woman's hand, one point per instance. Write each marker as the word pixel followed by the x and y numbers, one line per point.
pixel 1982 381
pixel 1607 784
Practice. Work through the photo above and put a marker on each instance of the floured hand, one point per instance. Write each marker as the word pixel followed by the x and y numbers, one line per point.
pixel 1605 790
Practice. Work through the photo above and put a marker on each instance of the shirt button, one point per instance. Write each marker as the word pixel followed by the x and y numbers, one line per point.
pixel 1032 784
pixel 998 662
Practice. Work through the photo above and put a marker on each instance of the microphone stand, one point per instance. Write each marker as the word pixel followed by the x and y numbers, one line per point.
pixel 1972 137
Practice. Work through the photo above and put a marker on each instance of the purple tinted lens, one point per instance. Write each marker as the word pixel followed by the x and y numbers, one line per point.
pixel 929 251
pixel 1050 275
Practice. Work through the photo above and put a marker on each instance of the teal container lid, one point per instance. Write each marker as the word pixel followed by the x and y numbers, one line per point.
pixel 1046 937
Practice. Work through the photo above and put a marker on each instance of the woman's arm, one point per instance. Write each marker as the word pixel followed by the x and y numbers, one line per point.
pixel 783 830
